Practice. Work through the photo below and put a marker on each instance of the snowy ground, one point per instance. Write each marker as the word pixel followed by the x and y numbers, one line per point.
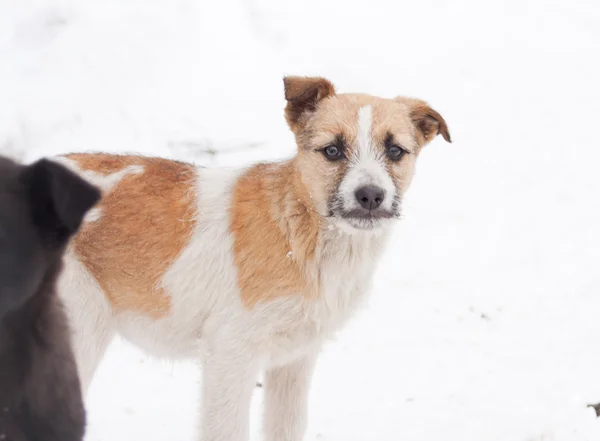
pixel 483 324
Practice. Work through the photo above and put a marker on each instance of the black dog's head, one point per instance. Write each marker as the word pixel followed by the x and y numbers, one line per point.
pixel 41 206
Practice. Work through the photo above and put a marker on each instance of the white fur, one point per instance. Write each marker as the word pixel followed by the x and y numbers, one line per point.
pixel 208 320
pixel 93 215
pixel 367 166
pixel 90 316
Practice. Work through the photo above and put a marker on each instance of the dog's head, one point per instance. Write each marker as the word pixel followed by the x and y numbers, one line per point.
pixel 41 207
pixel 357 152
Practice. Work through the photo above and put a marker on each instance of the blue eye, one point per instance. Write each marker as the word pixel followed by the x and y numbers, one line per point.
pixel 332 152
pixel 395 153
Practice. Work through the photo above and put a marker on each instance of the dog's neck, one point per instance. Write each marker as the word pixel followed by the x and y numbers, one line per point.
pixel 292 209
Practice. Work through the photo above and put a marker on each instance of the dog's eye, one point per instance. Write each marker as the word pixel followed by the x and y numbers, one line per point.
pixel 395 153
pixel 332 152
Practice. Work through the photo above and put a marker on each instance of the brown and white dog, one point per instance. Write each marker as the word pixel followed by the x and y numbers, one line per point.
pixel 248 270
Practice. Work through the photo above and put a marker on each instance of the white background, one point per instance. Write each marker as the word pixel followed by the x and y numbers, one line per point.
pixel 484 320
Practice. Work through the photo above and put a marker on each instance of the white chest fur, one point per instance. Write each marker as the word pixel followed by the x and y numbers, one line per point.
pixel 346 264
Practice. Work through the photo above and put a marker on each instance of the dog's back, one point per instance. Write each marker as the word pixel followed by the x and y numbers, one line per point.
pixel 41 207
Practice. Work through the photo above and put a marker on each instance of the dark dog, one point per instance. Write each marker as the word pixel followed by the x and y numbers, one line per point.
pixel 41 207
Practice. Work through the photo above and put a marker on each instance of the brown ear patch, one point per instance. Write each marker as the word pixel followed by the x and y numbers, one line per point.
pixel 429 122
pixel 146 220
pixel 303 94
pixel 275 236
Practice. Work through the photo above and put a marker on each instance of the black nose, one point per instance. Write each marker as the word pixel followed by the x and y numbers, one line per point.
pixel 369 197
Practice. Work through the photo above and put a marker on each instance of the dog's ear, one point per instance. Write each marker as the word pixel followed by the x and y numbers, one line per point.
pixel 428 121
pixel 303 94
pixel 59 198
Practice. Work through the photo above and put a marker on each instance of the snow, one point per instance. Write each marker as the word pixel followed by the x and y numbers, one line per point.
pixel 483 324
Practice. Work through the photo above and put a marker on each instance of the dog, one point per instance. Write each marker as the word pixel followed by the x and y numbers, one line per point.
pixel 41 207
pixel 249 270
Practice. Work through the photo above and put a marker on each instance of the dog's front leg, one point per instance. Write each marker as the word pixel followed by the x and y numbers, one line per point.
pixel 286 400
pixel 229 378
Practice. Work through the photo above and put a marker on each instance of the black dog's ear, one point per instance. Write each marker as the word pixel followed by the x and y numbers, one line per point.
pixel 59 198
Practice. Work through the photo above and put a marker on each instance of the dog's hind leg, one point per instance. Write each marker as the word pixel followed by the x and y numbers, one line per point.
pixel 90 318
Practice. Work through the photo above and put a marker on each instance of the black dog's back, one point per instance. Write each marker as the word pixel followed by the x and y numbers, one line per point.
pixel 41 207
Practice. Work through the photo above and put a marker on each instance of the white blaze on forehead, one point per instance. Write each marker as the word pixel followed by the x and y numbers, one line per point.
pixel 367 165
pixel 369 161
pixel 365 121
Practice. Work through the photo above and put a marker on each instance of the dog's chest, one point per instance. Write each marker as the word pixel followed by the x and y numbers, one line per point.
pixel 345 273
pixel 344 285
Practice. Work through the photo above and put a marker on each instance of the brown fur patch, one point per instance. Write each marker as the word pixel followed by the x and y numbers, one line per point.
pixel 275 234
pixel 145 222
